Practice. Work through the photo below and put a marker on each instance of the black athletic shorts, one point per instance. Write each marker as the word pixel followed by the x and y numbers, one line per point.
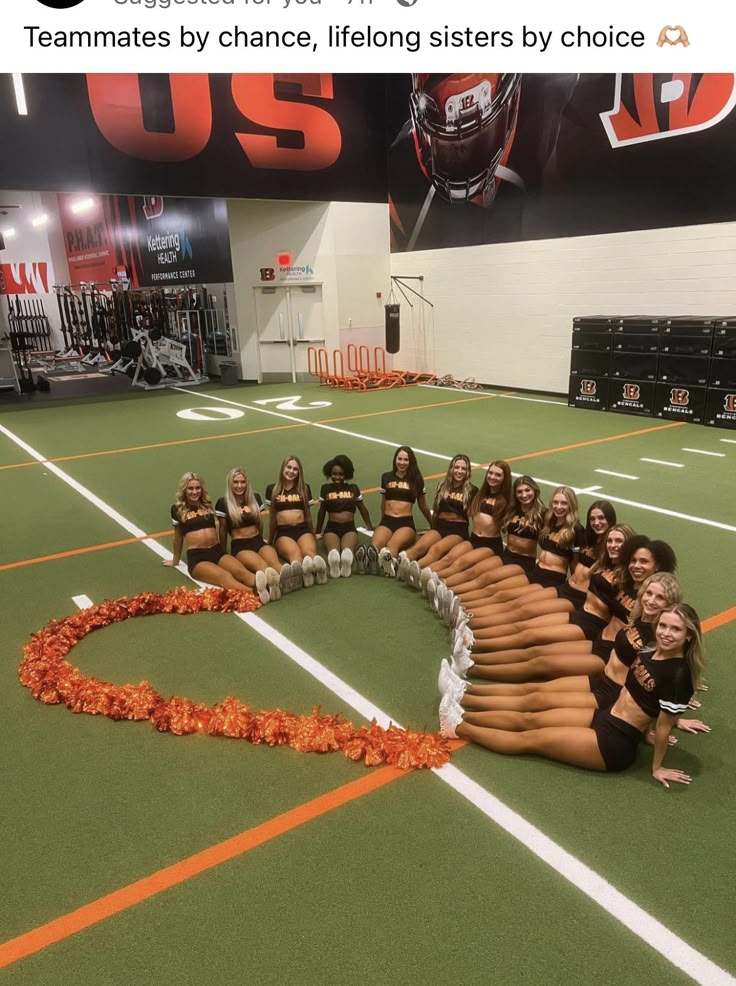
pixel 340 527
pixel 395 524
pixel 246 544
pixel 293 531
pixel 525 562
pixel 575 596
pixel 603 648
pixel 617 740
pixel 603 689
pixel 548 578
pixel 589 623
pixel 495 544
pixel 446 528
pixel 197 555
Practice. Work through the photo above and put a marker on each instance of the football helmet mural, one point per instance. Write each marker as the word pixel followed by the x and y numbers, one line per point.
pixel 463 127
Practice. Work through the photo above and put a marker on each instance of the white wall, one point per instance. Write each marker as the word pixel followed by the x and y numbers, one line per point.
pixel 347 244
pixel 503 312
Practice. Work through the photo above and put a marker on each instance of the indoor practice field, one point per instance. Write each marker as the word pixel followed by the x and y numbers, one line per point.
pixel 134 855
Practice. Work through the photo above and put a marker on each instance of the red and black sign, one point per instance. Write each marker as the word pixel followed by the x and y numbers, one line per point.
pixel 290 135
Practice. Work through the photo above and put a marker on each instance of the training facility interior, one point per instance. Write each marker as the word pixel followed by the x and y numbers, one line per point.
pixel 135 852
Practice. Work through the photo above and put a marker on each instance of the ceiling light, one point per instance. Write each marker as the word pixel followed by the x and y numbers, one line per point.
pixel 20 94
pixel 40 220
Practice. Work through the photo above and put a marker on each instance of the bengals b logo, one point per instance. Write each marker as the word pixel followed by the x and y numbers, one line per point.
pixel 729 403
pixel 588 387
pixel 680 397
pixel 267 274
pixel 153 206
pixel 631 392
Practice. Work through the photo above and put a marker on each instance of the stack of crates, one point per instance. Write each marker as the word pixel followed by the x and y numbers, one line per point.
pixel 680 368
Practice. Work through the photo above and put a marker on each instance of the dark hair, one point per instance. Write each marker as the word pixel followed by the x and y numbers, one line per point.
pixel 664 556
pixel 413 473
pixel 608 512
pixel 343 462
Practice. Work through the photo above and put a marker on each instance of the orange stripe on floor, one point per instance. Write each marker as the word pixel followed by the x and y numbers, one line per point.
pixel 598 441
pixel 120 900
pixel 242 434
pixel 719 620
pixel 82 551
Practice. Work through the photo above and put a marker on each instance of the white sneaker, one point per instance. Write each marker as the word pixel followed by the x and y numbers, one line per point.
pixel 361 561
pixel 402 573
pixel 451 715
pixel 274 584
pixel 319 566
pixel 333 562
pixel 415 574
pixel 425 577
pixel 297 576
pixel 308 572
pixel 372 564
pixel 285 578
pixel 464 634
pixel 450 683
pixel 261 583
pixel 387 563
pixel 449 600
pixel 346 563
pixel 432 594
pixel 439 598
pixel 461 660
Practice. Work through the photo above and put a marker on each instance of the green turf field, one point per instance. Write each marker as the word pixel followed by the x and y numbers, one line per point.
pixel 498 870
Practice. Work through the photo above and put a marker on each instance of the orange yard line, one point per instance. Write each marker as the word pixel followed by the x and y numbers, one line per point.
pixel 719 620
pixel 82 551
pixel 241 434
pixel 120 900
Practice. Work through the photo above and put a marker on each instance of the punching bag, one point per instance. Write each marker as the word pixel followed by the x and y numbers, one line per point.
pixel 393 328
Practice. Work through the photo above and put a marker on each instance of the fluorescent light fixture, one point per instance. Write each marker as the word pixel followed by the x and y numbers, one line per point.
pixel 84 205
pixel 40 220
pixel 20 94
pixel 7 233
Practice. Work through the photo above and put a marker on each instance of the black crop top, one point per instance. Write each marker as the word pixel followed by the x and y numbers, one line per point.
pixel 452 503
pixel 394 488
pixel 519 527
pixel 194 520
pixel 247 518
pixel 288 499
pixel 338 499
pixel 631 639
pixel 551 543
pixel 660 686
pixel 588 554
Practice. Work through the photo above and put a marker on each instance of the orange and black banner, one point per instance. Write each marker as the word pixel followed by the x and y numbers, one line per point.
pixel 281 136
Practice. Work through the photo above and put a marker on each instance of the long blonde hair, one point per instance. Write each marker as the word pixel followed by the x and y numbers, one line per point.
pixel 235 505
pixel 181 494
pixel 670 585
pixel 567 529
pixel 446 486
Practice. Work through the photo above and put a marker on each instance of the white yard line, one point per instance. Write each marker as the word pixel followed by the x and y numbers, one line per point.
pixel 618 475
pixel 674 949
pixel 506 397
pixel 700 451
pixel 82 602
pixel 663 462
pixel 729 441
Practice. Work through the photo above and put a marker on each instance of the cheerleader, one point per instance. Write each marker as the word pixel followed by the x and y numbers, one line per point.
pixel 338 501
pixel 193 517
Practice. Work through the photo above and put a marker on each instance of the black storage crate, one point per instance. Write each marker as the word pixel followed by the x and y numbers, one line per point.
pixel 635 342
pixel 638 324
pixel 634 366
pixel 692 370
pixel 588 392
pixel 590 364
pixel 720 408
pixel 594 342
pixel 631 396
pixel 592 323
pixel 683 344
pixel 722 373
pixel 679 403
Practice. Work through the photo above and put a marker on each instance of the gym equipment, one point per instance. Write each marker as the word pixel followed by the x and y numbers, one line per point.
pixel 361 375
